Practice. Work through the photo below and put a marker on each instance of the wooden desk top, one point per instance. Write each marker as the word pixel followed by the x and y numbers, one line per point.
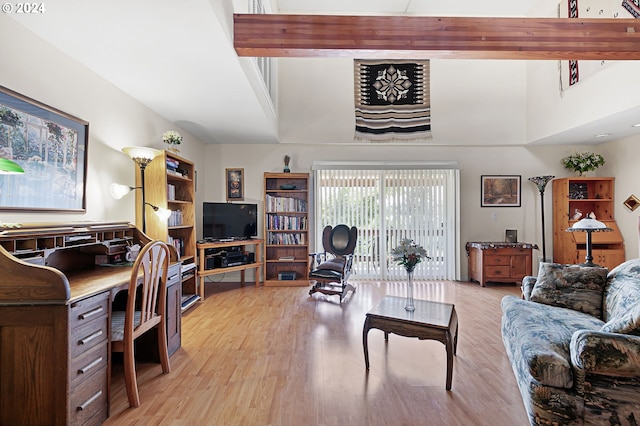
pixel 86 282
pixel 101 278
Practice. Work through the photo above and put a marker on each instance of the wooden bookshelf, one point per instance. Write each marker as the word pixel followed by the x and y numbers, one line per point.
pixel 170 184
pixel 286 225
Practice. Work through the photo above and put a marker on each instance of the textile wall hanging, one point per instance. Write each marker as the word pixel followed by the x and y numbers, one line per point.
pixel 573 71
pixel 392 100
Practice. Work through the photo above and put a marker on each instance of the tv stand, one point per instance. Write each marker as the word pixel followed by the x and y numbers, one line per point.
pixel 203 272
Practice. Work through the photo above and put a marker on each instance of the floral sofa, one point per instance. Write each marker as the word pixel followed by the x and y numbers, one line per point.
pixel 574 344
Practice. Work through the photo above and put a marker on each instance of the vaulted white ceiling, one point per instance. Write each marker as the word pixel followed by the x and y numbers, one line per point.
pixel 178 58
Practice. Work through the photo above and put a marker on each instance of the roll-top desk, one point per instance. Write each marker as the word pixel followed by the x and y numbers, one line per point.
pixel 55 302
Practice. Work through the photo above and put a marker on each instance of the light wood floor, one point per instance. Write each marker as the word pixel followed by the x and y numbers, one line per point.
pixel 275 356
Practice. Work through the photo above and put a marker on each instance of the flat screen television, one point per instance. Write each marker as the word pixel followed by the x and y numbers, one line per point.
pixel 222 221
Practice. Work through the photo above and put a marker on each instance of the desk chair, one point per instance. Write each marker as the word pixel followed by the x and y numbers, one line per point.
pixel 146 308
pixel 330 270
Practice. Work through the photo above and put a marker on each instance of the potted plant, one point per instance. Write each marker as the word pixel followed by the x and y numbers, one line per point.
pixel 583 162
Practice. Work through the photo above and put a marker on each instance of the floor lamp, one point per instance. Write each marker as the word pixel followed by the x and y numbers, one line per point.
pixel 541 182
pixel 589 226
pixel 142 156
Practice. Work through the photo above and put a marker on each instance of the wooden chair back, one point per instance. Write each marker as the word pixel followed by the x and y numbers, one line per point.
pixel 146 308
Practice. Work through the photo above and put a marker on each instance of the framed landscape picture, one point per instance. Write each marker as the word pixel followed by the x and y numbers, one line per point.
pixel 500 190
pixel 235 184
pixel 51 147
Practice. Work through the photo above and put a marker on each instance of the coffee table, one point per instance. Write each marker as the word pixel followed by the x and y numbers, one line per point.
pixel 431 320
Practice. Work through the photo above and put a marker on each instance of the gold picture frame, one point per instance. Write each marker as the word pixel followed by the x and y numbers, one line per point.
pixel 235 184
pixel 632 202
pixel 500 190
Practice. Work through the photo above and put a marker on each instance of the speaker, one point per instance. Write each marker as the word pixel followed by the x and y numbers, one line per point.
pixel 251 257
pixel 210 262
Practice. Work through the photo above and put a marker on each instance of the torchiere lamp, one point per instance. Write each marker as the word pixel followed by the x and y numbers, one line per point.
pixel 589 226
pixel 142 156
pixel 541 182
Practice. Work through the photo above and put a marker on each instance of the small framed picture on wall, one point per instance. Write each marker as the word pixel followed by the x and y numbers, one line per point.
pixel 235 184
pixel 500 191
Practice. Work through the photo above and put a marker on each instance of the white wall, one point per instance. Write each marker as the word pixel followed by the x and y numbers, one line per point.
pixel 476 223
pixel 34 68
pixel 319 107
pixel 621 163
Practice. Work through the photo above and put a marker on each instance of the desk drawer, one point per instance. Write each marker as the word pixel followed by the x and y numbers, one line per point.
pixel 82 367
pixel 497 260
pixel 173 274
pixel 88 401
pixel 496 271
pixel 88 336
pixel 86 310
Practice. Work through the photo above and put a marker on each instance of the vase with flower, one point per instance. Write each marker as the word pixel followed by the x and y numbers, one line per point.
pixel 172 138
pixel 582 162
pixel 408 254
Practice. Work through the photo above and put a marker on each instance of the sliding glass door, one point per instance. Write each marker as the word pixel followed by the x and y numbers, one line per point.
pixel 389 202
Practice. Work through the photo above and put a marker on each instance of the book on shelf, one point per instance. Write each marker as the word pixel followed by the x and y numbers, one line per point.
pixel 285 204
pixel 287 258
pixel 172 164
pixel 187 267
pixel 174 172
pixel 285 239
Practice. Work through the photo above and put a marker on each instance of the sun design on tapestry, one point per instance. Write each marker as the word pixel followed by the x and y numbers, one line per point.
pixel 392 84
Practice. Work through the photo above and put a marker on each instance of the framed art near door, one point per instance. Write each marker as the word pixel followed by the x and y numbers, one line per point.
pixel 500 191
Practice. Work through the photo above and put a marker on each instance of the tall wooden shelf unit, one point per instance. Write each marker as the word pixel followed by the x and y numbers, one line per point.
pixel 170 183
pixel 286 224
pixel 586 194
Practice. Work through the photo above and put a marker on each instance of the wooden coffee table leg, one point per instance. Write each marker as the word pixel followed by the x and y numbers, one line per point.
pixel 365 343
pixel 450 347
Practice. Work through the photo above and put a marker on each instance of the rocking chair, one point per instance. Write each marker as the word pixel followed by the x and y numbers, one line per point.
pixel 330 270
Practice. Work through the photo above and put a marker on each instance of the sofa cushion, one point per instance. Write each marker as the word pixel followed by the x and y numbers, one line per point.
pixel 538 336
pixel 629 323
pixel 621 307
pixel 576 287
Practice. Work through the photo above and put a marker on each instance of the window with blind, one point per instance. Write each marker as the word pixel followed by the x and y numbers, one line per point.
pixel 389 202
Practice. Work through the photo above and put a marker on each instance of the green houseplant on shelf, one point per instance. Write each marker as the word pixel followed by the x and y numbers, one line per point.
pixel 582 162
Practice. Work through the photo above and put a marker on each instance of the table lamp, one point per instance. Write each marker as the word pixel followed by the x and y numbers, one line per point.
pixel 589 225
pixel 8 167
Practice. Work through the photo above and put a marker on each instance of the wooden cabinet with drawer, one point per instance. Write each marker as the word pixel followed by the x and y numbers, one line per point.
pixel 499 262
pixel 88 359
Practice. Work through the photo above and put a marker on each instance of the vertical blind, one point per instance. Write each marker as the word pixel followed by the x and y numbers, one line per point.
pixel 388 204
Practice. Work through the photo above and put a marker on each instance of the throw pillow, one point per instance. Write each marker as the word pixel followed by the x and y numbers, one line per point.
pixel 571 286
pixel 629 323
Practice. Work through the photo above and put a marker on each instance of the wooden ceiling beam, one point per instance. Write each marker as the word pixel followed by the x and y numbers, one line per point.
pixel 418 37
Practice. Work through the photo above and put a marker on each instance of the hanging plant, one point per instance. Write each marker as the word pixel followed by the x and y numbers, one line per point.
pixel 582 162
